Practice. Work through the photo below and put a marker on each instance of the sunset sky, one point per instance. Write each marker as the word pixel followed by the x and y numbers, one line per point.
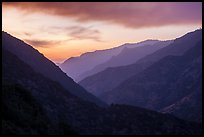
pixel 62 30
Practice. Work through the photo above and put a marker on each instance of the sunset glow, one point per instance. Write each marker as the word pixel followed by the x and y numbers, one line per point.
pixel 63 30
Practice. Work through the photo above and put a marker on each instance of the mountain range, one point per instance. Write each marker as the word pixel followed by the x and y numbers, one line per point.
pixel 90 60
pixel 34 102
pixel 127 56
pixel 162 81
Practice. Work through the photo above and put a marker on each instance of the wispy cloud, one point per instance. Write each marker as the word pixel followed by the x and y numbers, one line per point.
pixel 81 33
pixel 27 34
pixel 130 14
pixel 42 43
pixel 76 32
pixel 73 33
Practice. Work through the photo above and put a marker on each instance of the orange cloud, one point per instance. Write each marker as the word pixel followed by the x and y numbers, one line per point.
pixel 132 14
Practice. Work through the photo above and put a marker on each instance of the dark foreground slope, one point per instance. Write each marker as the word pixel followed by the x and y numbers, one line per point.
pixel 34 104
pixel 22 114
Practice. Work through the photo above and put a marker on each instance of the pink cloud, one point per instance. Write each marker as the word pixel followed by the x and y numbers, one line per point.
pixel 130 14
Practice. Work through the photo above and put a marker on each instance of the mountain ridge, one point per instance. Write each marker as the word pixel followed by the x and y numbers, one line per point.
pixel 42 65
pixel 110 78
pixel 126 57
pixel 72 66
pixel 164 83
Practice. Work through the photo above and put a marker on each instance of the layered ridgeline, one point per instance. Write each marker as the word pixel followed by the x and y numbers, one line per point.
pixel 90 60
pixel 44 66
pixel 168 80
pixel 127 56
pixel 110 78
pixel 34 104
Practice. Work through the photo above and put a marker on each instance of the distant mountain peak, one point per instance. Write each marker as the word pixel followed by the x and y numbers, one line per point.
pixel 148 82
pixel 89 60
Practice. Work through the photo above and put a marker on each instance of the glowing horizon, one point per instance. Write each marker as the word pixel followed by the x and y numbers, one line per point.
pixel 63 30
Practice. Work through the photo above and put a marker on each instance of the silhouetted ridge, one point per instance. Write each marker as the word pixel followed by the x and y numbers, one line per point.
pixel 44 66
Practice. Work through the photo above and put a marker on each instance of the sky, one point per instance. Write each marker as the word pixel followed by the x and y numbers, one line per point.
pixel 61 30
